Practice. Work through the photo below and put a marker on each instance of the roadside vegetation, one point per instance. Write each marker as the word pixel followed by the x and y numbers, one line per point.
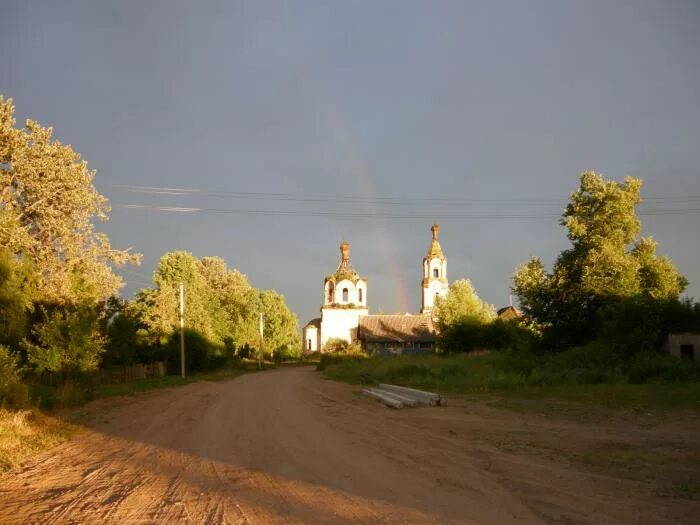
pixel 61 317
pixel 647 381
pixel 592 329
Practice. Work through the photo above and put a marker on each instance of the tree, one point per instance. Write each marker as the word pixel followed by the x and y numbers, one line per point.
pixel 461 305
pixel 47 205
pixel 14 301
pixel 66 339
pixel 220 306
pixel 281 335
pixel 606 263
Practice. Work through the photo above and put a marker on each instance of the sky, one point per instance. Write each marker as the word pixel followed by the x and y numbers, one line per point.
pixel 302 123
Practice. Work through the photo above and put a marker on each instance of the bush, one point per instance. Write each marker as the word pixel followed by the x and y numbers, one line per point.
pixel 631 325
pixel 465 336
pixel 66 339
pixel 13 393
pixel 62 389
pixel 339 350
pixel 340 346
pixel 122 341
pixel 200 353
pixel 654 368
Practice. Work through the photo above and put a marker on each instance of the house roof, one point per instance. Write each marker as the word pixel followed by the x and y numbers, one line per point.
pixel 508 312
pixel 400 328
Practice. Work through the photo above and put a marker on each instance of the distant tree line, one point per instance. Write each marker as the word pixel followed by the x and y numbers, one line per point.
pixel 60 315
pixel 610 289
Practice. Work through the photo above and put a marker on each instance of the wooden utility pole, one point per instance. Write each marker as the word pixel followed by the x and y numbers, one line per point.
pixel 182 329
pixel 262 348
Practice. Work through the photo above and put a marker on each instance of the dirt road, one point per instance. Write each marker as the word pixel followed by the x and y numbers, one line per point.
pixel 285 446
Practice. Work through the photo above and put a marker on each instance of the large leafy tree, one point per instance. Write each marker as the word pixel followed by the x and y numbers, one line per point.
pixel 221 306
pixel 462 305
pixel 47 206
pixel 607 261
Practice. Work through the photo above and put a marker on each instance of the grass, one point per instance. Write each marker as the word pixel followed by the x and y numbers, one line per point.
pixel 26 432
pixel 515 378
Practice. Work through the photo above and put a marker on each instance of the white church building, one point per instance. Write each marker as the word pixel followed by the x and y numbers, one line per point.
pixel 345 311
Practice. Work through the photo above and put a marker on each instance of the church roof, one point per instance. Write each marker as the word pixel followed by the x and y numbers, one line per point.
pixel 314 322
pixel 400 328
pixel 435 250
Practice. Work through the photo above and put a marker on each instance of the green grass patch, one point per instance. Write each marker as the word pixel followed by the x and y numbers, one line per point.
pixel 517 378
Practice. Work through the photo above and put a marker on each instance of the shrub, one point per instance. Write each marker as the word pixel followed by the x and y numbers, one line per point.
pixel 200 353
pixel 631 325
pixel 466 335
pixel 13 393
pixel 66 339
pixel 339 350
pixel 654 368
pixel 336 345
pixel 122 341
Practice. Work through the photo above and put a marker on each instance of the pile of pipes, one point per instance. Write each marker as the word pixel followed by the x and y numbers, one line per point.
pixel 395 396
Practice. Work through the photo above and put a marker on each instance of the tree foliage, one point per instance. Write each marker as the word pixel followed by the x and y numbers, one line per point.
pixel 607 262
pixel 66 339
pixel 14 300
pixel 47 206
pixel 462 304
pixel 220 306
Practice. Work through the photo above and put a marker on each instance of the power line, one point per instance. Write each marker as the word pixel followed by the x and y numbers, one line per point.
pixel 381 215
pixel 388 200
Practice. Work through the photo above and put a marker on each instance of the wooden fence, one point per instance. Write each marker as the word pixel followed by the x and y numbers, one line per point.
pixel 124 374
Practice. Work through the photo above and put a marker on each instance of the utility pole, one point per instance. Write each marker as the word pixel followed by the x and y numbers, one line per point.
pixel 182 329
pixel 261 354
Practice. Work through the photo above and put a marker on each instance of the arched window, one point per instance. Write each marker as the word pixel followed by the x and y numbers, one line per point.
pixel 330 293
pixel 345 295
pixel 359 294
pixel 436 272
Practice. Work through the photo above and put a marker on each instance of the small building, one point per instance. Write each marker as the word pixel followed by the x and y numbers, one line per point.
pixel 312 335
pixel 396 334
pixel 685 345
pixel 509 312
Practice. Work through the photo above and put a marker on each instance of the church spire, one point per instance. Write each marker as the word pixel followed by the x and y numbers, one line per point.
pixel 435 250
pixel 434 273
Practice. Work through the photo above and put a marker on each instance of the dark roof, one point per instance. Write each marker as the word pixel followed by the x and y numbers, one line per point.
pixel 508 312
pixel 401 328
pixel 314 322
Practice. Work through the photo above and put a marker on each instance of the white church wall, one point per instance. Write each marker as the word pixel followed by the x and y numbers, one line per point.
pixel 340 323
pixel 311 339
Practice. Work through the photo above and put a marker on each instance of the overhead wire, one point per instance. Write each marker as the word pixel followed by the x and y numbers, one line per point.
pixel 385 199
pixel 674 201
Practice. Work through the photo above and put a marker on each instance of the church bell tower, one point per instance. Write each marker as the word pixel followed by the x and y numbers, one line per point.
pixel 434 281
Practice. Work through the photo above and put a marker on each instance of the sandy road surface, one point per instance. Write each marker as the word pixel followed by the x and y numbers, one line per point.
pixel 285 446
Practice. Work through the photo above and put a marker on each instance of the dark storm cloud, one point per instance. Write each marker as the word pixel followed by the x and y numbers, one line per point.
pixel 466 100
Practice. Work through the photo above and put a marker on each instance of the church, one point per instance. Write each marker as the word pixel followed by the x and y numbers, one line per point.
pixel 345 311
